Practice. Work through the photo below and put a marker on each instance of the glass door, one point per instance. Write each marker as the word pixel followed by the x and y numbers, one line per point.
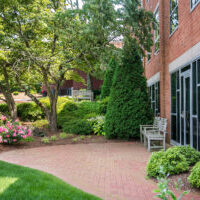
pixel 185 115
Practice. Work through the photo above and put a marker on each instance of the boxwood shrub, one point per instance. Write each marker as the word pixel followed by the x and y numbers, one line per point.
pixel 79 127
pixel 194 177
pixel 192 156
pixel 29 112
pixel 167 163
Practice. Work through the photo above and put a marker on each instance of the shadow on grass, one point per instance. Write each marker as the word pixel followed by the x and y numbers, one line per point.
pixel 22 183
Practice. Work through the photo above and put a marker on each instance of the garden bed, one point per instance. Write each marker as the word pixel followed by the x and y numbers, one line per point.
pixel 72 139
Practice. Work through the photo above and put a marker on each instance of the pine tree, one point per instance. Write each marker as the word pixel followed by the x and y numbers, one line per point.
pixel 129 104
pixel 105 90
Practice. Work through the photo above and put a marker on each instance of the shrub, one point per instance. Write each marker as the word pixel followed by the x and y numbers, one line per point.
pixel 4 109
pixel 103 105
pixel 63 135
pixel 43 123
pixel 105 89
pixel 45 140
pixel 192 156
pixel 12 132
pixel 15 93
pixel 82 111
pixel 29 139
pixel 53 138
pixel 71 106
pixel 97 124
pixel 194 177
pixel 163 163
pixel 29 112
pixel 79 127
pixel 129 105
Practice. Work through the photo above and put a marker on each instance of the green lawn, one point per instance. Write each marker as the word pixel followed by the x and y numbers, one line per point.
pixel 22 183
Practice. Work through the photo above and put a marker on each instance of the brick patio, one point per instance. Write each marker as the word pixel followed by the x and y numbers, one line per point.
pixel 111 170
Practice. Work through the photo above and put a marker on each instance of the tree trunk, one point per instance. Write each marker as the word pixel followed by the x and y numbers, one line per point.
pixel 11 104
pixel 89 82
pixel 12 107
pixel 8 95
pixel 52 118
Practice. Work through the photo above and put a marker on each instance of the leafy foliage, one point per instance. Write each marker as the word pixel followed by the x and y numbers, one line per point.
pixel 29 112
pixel 82 110
pixel 167 163
pixel 129 105
pixel 12 132
pixel 163 191
pixel 103 105
pixel 97 124
pixel 79 127
pixel 194 177
pixel 192 156
pixel 105 90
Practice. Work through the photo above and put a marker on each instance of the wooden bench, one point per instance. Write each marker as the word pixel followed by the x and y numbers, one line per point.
pixel 156 132
pixel 82 95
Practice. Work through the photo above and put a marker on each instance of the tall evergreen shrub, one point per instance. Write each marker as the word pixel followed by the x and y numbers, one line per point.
pixel 129 105
pixel 105 90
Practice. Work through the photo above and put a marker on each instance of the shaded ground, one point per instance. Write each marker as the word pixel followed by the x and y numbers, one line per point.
pixel 109 170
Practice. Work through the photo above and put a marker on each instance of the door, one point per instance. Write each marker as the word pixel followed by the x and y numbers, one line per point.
pixel 185 121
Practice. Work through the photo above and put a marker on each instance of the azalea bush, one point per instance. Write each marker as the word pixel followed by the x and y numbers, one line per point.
pixel 12 132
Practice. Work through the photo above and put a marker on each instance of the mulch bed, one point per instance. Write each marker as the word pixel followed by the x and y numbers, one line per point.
pixel 37 140
pixel 185 184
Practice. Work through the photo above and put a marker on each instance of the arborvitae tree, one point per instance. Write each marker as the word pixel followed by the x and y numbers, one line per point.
pixel 105 90
pixel 129 105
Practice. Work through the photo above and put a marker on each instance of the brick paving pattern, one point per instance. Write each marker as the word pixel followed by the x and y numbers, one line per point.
pixel 112 171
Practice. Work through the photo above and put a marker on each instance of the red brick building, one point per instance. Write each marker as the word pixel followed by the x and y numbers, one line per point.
pixel 172 68
pixel 69 85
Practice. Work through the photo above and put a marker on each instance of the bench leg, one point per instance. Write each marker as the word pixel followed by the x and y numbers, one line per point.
pixel 145 140
pixel 141 139
pixel 149 144
pixel 164 144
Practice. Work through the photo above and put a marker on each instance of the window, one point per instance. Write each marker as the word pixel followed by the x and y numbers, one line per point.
pixel 156 32
pixel 194 3
pixel 148 56
pixel 154 94
pixel 173 15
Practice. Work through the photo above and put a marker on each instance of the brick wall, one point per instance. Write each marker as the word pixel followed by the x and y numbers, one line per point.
pixel 171 46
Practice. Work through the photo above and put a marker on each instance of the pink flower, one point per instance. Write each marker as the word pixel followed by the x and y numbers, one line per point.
pixel 16 120
pixel 21 132
pixel 3 118
pixel 7 136
pixel 14 140
pixel 5 130
pixel 5 141
pixel 1 139
pixel 14 135
pixel 18 127
pixel 24 136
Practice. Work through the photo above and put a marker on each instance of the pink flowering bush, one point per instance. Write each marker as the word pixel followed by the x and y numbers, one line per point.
pixel 12 132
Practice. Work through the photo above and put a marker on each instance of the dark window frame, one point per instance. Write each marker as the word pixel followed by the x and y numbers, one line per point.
pixel 171 14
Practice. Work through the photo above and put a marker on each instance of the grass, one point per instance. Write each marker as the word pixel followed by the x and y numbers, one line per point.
pixel 22 183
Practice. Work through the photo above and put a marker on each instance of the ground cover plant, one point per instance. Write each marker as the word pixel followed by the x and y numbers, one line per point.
pixel 21 183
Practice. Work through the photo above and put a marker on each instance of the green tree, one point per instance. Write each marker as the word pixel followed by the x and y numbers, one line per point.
pixel 105 90
pixel 129 104
pixel 53 37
